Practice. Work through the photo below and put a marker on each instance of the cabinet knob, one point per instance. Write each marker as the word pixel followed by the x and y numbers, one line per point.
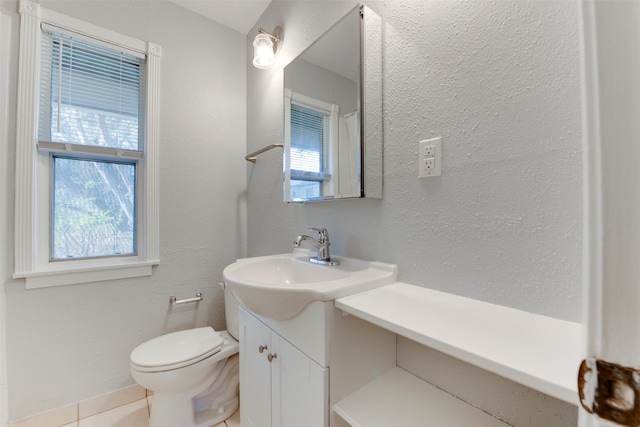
pixel 262 348
pixel 271 356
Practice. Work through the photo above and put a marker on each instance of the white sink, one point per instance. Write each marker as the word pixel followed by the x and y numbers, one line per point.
pixel 281 286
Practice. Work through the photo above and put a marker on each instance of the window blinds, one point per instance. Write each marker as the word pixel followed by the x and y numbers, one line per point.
pixel 90 96
pixel 310 130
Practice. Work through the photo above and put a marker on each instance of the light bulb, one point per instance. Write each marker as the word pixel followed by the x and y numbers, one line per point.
pixel 263 56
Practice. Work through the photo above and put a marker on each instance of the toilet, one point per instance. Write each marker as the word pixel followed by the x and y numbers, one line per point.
pixel 193 373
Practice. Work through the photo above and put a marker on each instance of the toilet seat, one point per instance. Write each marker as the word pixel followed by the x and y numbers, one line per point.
pixel 176 350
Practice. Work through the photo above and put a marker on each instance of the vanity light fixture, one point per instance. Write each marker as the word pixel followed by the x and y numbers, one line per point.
pixel 265 47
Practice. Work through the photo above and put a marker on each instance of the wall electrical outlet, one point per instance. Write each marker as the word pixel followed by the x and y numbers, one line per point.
pixel 428 150
pixel 430 157
pixel 429 163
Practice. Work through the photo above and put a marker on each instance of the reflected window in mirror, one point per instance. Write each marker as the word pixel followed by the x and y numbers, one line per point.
pixel 309 149
pixel 310 135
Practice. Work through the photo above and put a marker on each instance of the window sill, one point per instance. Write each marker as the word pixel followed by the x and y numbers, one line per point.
pixel 86 274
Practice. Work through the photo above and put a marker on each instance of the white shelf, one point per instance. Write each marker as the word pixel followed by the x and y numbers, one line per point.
pixel 537 351
pixel 398 398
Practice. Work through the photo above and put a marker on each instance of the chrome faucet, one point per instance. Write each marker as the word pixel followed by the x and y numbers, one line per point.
pixel 321 244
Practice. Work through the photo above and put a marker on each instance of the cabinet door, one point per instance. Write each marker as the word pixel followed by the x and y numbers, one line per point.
pixel 300 387
pixel 255 375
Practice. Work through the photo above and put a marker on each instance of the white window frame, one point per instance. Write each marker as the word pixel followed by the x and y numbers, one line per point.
pixel 313 103
pixel 32 210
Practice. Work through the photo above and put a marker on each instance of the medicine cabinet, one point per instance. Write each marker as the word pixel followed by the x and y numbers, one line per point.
pixel 333 113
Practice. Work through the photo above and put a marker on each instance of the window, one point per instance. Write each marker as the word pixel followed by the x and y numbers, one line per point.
pixel 310 136
pixel 93 208
pixel 88 210
pixel 310 130
pixel 90 97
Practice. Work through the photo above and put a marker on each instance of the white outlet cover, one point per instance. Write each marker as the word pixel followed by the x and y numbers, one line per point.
pixel 430 149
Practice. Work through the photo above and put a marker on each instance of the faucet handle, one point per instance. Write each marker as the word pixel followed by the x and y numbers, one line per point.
pixel 323 234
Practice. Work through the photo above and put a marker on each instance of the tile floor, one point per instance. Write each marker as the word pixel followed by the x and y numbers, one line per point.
pixel 135 414
pixel 127 407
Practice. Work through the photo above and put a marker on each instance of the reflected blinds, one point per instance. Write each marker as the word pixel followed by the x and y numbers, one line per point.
pixel 310 129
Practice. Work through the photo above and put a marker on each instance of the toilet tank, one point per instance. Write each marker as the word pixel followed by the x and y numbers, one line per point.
pixel 231 310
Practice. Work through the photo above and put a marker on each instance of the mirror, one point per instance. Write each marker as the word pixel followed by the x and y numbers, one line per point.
pixel 333 113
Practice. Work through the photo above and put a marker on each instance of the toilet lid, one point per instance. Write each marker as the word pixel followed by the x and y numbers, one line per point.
pixel 177 349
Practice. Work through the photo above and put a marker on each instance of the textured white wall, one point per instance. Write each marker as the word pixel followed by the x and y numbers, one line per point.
pixel 70 343
pixel 500 82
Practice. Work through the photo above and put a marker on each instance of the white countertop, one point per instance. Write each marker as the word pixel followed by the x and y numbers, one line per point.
pixel 540 352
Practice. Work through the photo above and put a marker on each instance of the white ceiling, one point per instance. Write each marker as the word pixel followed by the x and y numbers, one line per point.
pixel 240 15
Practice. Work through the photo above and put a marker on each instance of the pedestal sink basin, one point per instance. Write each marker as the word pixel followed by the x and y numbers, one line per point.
pixel 281 286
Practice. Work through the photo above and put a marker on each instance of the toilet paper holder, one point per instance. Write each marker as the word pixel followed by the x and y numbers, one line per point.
pixel 175 301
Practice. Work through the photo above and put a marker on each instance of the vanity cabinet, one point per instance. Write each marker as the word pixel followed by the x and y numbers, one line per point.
pixel 280 384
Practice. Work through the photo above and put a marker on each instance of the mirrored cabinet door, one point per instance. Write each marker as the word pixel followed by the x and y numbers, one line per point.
pixel 333 113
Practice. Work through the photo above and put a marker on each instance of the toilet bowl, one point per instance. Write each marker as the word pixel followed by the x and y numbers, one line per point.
pixel 193 374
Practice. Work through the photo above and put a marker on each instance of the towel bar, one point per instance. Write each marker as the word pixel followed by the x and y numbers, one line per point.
pixel 252 157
